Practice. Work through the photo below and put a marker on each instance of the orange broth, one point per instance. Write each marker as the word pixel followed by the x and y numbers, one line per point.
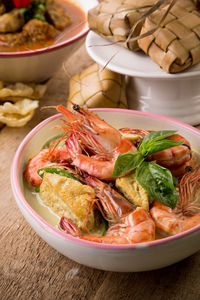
pixel 78 20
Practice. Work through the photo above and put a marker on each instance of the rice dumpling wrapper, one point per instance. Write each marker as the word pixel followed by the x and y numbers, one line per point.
pixel 97 87
pixel 114 19
pixel 175 45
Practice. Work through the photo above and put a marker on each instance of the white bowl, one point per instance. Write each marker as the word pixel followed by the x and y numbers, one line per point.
pixel 122 258
pixel 39 65
pixel 150 89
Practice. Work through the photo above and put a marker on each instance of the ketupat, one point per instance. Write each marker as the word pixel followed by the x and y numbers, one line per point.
pixel 114 19
pixel 97 87
pixel 169 33
pixel 175 46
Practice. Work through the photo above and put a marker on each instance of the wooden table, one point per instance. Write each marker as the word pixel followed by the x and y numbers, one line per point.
pixel 30 269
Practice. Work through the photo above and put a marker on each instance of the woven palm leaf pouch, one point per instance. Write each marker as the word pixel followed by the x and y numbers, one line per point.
pixel 97 87
pixel 114 19
pixel 175 45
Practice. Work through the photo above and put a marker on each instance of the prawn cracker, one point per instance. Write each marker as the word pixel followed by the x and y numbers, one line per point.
pixel 17 114
pixel 97 87
pixel 18 91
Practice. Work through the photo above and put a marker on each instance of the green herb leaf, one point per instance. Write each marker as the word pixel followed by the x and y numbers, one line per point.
pixel 175 181
pixel 158 146
pixel 157 135
pixel 60 172
pixel 22 11
pixel 158 182
pixel 39 17
pixel 151 138
pixel 127 162
pixel 37 189
pixel 35 10
pixel 105 227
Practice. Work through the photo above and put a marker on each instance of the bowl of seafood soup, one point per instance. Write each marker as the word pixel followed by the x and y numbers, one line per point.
pixel 118 257
pixel 37 61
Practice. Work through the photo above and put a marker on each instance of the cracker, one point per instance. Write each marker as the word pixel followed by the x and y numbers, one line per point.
pixel 18 91
pixel 19 113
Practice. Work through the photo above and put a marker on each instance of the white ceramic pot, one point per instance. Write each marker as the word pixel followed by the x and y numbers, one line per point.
pixel 122 258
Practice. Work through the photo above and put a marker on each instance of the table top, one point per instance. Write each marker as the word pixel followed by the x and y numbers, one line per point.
pixel 30 269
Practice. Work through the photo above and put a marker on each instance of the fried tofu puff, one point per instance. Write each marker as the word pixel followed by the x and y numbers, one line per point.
pixel 133 191
pixel 70 198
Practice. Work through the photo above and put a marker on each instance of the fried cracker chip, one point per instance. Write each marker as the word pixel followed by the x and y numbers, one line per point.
pixel 38 90
pixel 18 91
pixel 18 114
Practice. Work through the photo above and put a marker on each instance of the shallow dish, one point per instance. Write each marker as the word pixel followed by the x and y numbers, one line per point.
pixel 121 258
pixel 150 89
pixel 39 65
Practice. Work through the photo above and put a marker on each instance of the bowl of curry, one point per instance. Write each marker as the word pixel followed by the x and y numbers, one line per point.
pixel 37 36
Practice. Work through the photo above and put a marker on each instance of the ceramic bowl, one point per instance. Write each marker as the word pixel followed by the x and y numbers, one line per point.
pixel 149 88
pixel 39 65
pixel 122 258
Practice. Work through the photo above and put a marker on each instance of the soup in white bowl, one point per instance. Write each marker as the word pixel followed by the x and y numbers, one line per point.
pixel 137 256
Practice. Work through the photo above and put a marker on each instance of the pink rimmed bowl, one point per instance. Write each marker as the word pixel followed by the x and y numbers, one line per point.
pixel 121 258
pixel 39 65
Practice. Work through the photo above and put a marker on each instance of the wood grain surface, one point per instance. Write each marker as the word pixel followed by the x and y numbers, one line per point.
pixel 30 269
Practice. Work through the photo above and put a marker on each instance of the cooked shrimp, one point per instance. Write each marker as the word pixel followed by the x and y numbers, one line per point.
pixel 45 158
pixel 137 227
pixel 177 159
pixel 185 215
pixel 115 206
pixel 102 140
pixel 130 226
pixel 100 165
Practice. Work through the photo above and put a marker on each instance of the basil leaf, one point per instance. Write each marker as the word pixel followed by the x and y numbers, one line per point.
pixel 60 172
pixel 152 137
pixel 158 146
pixel 175 181
pixel 156 141
pixel 158 182
pixel 127 162
pixel 105 227
pixel 37 189
pixel 157 135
